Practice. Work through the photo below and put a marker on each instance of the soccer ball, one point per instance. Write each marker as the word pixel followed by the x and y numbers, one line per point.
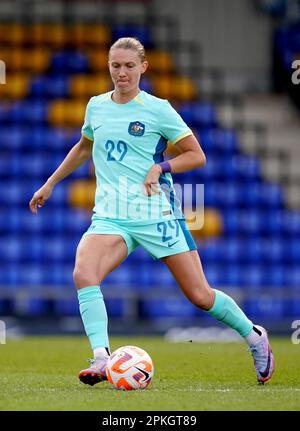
pixel 129 368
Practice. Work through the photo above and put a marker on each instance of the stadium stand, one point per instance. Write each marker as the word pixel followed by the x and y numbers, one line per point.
pixel 250 239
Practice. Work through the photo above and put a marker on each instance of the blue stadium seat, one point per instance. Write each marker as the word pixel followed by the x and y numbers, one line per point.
pixel 69 62
pixel 198 114
pixel 75 221
pixel 58 249
pixel 241 167
pixel 10 249
pixel 232 275
pixel 116 307
pixel 292 276
pixel 9 274
pixel 29 112
pixel 210 250
pixel 12 138
pixel 66 307
pixel 253 275
pixel 141 32
pixel 213 273
pixel 146 85
pixel 10 219
pixel 121 276
pixel 272 309
pixel 43 87
pixel 57 139
pixel 275 275
pixel 293 306
pixel 176 307
pixel 31 274
pixel 291 250
pixel 4 112
pixel 31 307
pixel 218 139
pixel 291 222
pixel 6 307
pixel 57 274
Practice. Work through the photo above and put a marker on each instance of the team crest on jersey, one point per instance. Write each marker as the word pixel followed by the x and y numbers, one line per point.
pixel 136 128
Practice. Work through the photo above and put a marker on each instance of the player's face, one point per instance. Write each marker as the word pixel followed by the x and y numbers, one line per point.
pixel 125 69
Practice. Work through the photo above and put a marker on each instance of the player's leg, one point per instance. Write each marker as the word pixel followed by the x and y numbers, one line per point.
pixel 187 270
pixel 97 255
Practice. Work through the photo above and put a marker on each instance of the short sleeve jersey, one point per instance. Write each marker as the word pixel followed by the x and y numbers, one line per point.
pixel 127 140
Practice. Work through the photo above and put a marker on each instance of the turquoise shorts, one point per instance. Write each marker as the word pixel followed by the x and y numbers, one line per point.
pixel 160 239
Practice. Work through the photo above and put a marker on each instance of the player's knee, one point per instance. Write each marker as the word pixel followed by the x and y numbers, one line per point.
pixel 201 298
pixel 83 278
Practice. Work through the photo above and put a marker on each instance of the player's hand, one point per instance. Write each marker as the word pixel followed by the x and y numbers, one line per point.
pixel 40 197
pixel 151 185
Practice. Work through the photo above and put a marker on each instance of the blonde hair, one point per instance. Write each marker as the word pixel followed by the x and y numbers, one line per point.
pixel 130 43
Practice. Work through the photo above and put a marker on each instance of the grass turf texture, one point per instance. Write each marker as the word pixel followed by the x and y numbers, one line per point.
pixel 40 373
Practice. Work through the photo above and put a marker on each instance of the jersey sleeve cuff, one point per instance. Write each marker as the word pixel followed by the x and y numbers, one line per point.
pixel 87 137
pixel 184 135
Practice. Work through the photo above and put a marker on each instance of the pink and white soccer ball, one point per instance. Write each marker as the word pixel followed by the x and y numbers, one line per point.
pixel 129 368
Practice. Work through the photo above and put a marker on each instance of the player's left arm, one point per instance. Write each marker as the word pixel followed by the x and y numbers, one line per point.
pixel 191 156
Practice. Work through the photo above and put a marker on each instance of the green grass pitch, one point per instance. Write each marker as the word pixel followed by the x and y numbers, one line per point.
pixel 40 373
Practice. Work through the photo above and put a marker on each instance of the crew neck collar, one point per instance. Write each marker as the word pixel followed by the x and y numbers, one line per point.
pixel 127 103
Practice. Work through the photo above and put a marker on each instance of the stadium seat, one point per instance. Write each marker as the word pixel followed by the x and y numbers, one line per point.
pixel 67 113
pixel 31 306
pixel 28 112
pixel 16 87
pixel 116 307
pixel 174 88
pixel 269 308
pixel 66 307
pixel 86 86
pixel 198 114
pixel 9 275
pixel 146 85
pixel 57 274
pixel 86 36
pixel 26 60
pixel 167 307
pixel 98 60
pixel 142 33
pixel 218 139
pixel 13 34
pixel 160 62
pixel 120 275
pixel 48 35
pixel 291 222
pixel 56 86
pixel 69 62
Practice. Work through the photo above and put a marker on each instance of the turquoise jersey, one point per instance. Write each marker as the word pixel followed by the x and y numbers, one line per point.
pixel 127 140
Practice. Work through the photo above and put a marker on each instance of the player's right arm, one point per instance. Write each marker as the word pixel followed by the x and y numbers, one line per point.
pixel 80 153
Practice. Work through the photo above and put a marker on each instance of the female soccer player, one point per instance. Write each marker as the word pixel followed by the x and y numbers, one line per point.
pixel 126 132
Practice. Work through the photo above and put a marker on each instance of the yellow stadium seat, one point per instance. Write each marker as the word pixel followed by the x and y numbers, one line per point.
pixel 12 34
pixel 20 59
pixel 179 88
pixel 16 87
pixel 160 62
pixel 90 85
pixel 67 112
pixel 98 59
pixel 89 35
pixel 212 223
pixel 82 194
pixel 52 35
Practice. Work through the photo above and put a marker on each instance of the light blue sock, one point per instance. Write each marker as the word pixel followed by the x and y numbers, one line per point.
pixel 227 311
pixel 94 316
